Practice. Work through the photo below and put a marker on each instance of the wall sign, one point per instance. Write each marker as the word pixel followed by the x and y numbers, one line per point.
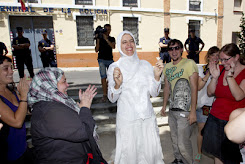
pixel 51 10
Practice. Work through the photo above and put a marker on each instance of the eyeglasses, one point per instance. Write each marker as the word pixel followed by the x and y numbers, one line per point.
pixel 173 48
pixel 225 60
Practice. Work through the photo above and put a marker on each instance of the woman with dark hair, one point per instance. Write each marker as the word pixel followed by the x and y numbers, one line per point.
pixel 13 109
pixel 204 102
pixel 228 86
pixel 61 128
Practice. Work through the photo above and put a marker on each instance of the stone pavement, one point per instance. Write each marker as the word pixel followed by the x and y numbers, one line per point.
pixel 105 114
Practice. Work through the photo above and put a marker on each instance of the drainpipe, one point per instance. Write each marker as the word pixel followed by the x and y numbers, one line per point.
pixel 109 14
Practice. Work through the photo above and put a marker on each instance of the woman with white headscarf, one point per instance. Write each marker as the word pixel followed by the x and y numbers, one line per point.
pixel 131 82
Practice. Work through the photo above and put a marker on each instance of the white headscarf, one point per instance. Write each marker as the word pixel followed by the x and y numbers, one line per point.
pixel 127 64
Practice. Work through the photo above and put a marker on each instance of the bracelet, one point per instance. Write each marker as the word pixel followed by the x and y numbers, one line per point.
pixel 204 80
pixel 23 101
pixel 229 76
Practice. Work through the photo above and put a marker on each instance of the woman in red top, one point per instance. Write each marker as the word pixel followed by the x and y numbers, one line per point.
pixel 228 86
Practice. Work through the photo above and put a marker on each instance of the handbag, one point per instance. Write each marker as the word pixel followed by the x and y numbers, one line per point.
pixel 206 110
pixel 95 157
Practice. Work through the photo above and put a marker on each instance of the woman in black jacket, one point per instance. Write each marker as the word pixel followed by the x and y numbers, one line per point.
pixel 58 124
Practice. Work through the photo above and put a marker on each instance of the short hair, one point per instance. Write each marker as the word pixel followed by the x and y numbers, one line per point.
pixel 174 41
pixel 210 52
pixel 3 58
pixel 107 25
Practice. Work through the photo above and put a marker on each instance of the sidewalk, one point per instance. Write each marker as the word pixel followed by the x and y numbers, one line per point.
pixel 90 75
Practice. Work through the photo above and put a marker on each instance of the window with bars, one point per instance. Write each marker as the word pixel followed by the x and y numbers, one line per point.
pixel 194 5
pixel 83 2
pixel 130 3
pixel 30 1
pixel 194 25
pixel 85 30
pixel 131 24
pixel 235 38
pixel 237 5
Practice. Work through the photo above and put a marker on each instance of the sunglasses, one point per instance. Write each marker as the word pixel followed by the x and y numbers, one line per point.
pixel 173 48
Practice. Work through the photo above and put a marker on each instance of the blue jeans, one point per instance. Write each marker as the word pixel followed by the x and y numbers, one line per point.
pixel 103 66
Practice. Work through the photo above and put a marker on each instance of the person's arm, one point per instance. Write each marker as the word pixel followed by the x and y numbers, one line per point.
pixel 203 81
pixel 234 129
pixel 166 92
pixel 237 91
pixel 97 46
pixel 202 46
pixel 194 86
pixel 161 45
pixel 16 119
pixel 41 49
pixel 215 72
pixel 49 48
pixel 185 46
pixel 110 43
pixel 63 124
pixel 115 78
pixel 155 79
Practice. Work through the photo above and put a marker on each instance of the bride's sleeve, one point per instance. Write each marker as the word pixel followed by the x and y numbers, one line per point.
pixel 113 94
pixel 155 86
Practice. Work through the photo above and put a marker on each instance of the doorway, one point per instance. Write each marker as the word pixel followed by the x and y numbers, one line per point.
pixel 33 27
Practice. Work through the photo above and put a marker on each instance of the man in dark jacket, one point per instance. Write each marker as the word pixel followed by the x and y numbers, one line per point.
pixel 46 47
pixel 22 53
pixel 193 49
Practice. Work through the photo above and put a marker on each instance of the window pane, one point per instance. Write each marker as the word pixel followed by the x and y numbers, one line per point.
pixel 237 5
pixel 194 5
pixel 83 2
pixel 130 3
pixel 235 38
pixel 194 24
pixel 85 30
pixel 131 24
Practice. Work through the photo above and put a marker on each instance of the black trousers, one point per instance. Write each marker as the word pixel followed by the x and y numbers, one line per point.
pixel 194 56
pixel 48 60
pixel 24 59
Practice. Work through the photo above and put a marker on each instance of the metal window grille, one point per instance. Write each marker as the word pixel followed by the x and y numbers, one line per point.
pixel 195 5
pixel 194 25
pixel 235 38
pixel 131 24
pixel 85 30
pixel 83 2
pixel 30 1
pixel 130 3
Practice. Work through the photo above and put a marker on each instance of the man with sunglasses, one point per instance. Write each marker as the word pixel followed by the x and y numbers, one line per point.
pixel 181 90
pixel 193 46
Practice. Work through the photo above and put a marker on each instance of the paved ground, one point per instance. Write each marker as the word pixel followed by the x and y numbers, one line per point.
pixel 78 76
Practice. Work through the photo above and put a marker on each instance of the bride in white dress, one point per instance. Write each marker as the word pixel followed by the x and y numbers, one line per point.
pixel 131 82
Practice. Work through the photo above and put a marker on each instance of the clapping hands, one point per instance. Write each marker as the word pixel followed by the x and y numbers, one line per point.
pixel 86 97
pixel 214 70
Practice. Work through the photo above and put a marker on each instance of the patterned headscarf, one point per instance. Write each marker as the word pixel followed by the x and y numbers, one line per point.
pixel 44 88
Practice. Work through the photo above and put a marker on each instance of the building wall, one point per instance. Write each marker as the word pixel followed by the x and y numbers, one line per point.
pixel 231 20
pixel 153 16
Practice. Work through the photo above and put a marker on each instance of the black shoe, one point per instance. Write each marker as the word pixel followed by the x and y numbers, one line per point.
pixel 176 161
